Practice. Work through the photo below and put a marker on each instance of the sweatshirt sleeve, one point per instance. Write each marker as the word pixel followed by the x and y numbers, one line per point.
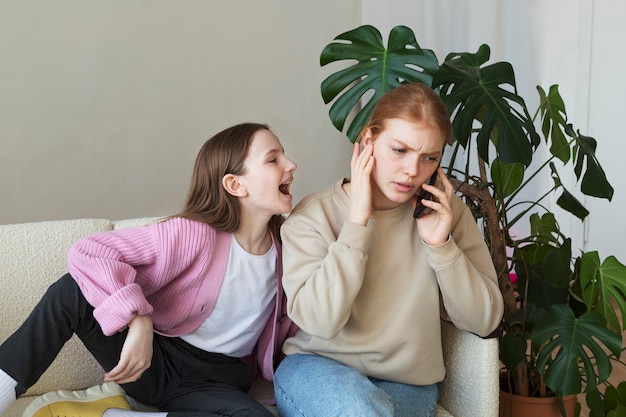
pixel 323 271
pixel 466 276
pixel 105 267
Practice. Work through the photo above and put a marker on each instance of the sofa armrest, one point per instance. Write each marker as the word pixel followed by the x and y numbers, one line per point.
pixel 471 386
pixel 33 256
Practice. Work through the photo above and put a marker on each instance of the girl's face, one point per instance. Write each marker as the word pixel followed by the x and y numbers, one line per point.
pixel 268 176
pixel 406 154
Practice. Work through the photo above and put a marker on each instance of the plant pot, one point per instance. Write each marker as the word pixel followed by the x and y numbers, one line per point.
pixel 519 406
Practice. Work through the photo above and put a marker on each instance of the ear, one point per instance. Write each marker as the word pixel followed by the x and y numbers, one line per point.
pixel 233 185
pixel 366 136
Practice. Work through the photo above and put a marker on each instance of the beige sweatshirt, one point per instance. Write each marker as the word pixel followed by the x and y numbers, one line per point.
pixel 369 297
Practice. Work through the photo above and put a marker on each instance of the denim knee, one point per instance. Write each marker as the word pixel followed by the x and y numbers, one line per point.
pixel 311 386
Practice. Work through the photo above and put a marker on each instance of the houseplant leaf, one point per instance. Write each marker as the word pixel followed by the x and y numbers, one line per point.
pixel 378 70
pixel 556 265
pixel 603 287
pixel 612 405
pixel 540 293
pixel 512 350
pixel 545 228
pixel 567 201
pixel 547 257
pixel 594 182
pixel 506 177
pixel 572 349
pixel 553 120
pixel 594 402
pixel 475 93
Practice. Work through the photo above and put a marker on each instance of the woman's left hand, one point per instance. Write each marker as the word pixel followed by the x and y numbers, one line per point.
pixel 434 227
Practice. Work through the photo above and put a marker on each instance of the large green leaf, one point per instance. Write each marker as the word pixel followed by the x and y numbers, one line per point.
pixel 612 405
pixel 573 349
pixel 567 201
pixel 540 291
pixel 487 95
pixel 604 285
pixel 530 254
pixel 594 182
pixel 545 228
pixel 557 270
pixel 615 398
pixel 512 350
pixel 507 178
pixel 553 120
pixel 377 69
pixel 594 402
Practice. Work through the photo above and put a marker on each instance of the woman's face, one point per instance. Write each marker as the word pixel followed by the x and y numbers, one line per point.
pixel 406 154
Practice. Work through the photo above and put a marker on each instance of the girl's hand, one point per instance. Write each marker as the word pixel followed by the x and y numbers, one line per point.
pixel 136 354
pixel 361 166
pixel 434 227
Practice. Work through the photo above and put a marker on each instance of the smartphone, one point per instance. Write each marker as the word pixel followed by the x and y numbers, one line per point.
pixel 421 209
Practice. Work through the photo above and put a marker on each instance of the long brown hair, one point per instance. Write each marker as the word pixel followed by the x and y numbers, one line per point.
pixel 414 102
pixel 207 200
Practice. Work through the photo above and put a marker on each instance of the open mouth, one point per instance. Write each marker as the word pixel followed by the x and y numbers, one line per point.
pixel 284 187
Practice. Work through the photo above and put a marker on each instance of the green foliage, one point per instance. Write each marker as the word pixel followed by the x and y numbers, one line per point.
pixel 487 94
pixel 594 182
pixel 604 285
pixel 507 177
pixel 563 341
pixel 377 69
pixel 611 404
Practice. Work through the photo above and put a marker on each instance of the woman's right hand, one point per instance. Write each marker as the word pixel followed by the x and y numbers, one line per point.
pixel 136 355
pixel 361 166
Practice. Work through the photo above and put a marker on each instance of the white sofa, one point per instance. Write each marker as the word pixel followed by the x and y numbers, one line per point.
pixel 33 255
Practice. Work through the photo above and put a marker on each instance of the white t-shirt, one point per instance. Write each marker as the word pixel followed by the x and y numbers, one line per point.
pixel 244 304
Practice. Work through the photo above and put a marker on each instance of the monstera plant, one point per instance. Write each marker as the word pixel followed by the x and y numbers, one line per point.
pixel 564 312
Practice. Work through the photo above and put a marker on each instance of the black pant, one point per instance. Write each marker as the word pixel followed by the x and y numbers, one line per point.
pixel 182 379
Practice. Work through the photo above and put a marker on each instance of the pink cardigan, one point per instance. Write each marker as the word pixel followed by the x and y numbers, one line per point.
pixel 171 271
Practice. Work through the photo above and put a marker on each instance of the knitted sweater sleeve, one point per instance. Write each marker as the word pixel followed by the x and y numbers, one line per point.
pixel 117 271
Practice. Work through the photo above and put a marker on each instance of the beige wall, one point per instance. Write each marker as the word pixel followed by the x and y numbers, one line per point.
pixel 104 104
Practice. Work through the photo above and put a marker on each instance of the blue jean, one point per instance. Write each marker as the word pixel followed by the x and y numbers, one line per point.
pixel 315 386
